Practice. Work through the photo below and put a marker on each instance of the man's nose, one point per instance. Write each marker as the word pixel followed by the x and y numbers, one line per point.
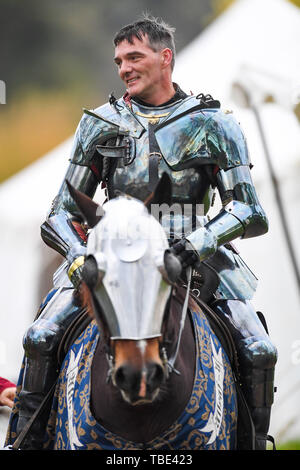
pixel 125 69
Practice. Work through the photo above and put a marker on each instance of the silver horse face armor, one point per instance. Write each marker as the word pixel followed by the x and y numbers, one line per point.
pixel 129 245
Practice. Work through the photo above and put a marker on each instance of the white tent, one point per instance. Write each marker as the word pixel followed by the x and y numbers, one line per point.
pixel 24 201
pixel 255 43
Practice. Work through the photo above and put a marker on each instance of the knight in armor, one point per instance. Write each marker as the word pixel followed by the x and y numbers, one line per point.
pixel 126 145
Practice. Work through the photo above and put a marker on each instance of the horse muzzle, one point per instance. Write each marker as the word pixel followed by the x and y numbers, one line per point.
pixel 139 387
pixel 138 371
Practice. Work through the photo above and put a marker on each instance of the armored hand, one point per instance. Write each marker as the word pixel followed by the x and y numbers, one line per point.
pixel 76 258
pixel 185 252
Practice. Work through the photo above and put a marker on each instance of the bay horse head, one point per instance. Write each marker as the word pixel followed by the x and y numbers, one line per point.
pixel 127 283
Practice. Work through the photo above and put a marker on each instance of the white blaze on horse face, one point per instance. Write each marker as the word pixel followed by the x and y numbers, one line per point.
pixel 142 346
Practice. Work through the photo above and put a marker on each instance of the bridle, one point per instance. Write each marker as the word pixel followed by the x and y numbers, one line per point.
pixel 131 276
pixel 168 362
pixel 171 361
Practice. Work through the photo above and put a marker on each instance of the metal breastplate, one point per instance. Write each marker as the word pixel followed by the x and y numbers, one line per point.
pixel 188 145
pixel 190 185
pixel 133 178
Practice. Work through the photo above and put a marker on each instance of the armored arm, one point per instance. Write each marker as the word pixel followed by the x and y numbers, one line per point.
pixel 62 229
pixel 241 214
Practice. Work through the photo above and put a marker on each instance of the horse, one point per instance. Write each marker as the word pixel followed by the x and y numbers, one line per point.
pixel 148 371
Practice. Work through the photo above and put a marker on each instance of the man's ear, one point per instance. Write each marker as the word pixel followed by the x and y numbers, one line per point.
pixel 167 56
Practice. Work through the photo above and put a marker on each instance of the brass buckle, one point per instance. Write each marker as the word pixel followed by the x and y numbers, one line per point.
pixel 153 118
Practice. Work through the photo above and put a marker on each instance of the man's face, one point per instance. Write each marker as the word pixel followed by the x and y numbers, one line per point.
pixel 139 67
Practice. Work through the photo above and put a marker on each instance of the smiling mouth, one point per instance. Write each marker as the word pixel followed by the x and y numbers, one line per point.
pixel 132 80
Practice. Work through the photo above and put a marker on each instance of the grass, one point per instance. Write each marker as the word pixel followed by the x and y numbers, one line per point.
pixel 290 445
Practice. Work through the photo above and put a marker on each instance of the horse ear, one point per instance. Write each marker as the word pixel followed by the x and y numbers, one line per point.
pixel 90 210
pixel 162 193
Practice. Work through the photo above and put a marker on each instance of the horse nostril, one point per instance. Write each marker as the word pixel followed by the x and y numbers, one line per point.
pixel 127 378
pixel 155 375
pixel 120 376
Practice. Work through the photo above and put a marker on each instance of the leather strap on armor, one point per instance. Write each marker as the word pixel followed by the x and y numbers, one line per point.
pixel 154 157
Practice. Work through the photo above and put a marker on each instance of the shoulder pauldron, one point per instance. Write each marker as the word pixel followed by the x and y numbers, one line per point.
pixel 202 136
pixel 99 126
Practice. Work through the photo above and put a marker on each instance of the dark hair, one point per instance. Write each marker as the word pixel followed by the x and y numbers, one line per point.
pixel 159 33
